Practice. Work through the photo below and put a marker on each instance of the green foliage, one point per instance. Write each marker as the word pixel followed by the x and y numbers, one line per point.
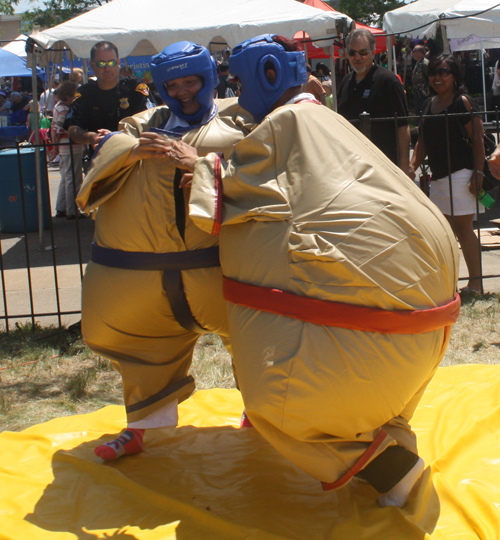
pixel 7 6
pixel 53 13
pixel 370 12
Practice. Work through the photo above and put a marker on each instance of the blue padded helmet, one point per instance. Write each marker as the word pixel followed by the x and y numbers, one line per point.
pixel 248 64
pixel 183 59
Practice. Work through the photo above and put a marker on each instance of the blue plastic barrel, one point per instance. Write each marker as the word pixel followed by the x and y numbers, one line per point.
pixel 13 178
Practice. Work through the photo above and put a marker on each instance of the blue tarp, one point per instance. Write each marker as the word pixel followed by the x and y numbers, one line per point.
pixel 12 65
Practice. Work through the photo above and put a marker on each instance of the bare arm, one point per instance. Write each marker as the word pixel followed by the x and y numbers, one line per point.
pixel 183 155
pixel 149 145
pixel 475 131
pixel 154 145
pixel 322 99
pixel 494 163
pixel 404 151
pixel 80 136
pixel 418 154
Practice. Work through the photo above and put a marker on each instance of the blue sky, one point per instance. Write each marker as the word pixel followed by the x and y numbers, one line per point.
pixel 26 5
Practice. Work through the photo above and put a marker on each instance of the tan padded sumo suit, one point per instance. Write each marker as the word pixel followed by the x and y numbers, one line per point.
pixel 313 212
pixel 126 315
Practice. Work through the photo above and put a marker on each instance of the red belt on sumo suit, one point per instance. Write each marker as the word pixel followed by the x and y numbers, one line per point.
pixel 351 317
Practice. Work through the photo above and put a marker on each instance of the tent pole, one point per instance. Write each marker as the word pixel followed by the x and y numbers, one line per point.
pixel 389 53
pixel 38 172
pixel 446 41
pixel 482 69
pixel 334 78
pixel 85 73
pixel 407 48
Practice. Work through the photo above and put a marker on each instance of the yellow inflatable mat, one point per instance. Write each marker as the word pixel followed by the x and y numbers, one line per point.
pixel 209 480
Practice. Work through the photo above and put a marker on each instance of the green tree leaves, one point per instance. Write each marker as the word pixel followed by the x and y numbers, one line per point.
pixel 370 12
pixel 7 6
pixel 53 13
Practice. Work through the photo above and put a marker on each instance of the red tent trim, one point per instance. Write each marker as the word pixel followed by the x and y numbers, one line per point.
pixel 314 50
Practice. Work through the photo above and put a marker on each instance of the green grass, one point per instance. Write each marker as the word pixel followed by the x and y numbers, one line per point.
pixel 475 339
pixel 46 373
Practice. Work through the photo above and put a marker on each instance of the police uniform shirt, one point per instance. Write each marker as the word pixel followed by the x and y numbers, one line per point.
pixel 381 94
pixel 95 109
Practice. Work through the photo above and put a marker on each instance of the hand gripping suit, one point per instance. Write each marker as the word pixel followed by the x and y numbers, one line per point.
pixel 340 277
pixel 147 321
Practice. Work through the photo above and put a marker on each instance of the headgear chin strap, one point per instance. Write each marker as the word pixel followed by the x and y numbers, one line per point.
pixel 248 63
pixel 183 59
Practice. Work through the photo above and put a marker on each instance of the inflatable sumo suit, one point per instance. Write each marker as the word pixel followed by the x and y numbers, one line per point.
pixel 154 282
pixel 340 277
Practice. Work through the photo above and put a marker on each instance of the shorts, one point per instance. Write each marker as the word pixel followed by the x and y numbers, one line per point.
pixel 464 203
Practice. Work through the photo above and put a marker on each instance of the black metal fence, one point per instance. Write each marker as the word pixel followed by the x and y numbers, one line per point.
pixel 42 257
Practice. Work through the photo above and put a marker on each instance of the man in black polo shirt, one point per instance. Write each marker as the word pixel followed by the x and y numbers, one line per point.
pixel 224 83
pixel 373 89
pixel 101 104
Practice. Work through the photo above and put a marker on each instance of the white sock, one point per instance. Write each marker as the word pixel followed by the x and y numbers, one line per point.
pixel 167 416
pixel 398 495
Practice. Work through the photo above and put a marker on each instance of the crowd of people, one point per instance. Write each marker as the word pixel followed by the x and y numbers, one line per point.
pixel 14 106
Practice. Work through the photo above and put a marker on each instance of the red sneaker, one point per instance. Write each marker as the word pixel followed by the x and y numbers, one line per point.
pixel 245 421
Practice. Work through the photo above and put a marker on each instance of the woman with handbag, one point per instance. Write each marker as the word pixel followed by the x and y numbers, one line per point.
pixel 456 162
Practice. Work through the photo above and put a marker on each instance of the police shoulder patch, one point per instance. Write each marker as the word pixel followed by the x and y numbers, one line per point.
pixel 77 95
pixel 142 88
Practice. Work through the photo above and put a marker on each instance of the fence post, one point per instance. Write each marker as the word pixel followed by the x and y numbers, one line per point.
pixel 365 125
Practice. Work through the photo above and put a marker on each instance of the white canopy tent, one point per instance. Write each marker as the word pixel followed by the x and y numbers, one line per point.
pixel 460 18
pixel 17 46
pixel 147 27
pixel 474 43
pixel 465 24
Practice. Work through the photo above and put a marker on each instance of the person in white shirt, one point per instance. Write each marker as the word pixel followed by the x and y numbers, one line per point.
pixel 48 99
pixel 65 204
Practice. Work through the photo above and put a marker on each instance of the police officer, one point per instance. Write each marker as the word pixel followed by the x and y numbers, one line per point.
pixel 100 105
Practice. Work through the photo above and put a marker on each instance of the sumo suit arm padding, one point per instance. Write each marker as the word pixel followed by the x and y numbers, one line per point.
pixel 243 199
pixel 108 177
pixel 97 188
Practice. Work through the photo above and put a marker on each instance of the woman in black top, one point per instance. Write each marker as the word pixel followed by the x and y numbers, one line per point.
pixel 456 170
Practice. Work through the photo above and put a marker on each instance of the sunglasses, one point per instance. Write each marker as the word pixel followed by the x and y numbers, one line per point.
pixel 362 52
pixel 442 72
pixel 102 64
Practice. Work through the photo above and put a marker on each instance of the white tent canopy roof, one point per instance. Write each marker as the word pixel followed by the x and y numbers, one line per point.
pixel 473 43
pixel 148 26
pixel 461 18
pixel 17 46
